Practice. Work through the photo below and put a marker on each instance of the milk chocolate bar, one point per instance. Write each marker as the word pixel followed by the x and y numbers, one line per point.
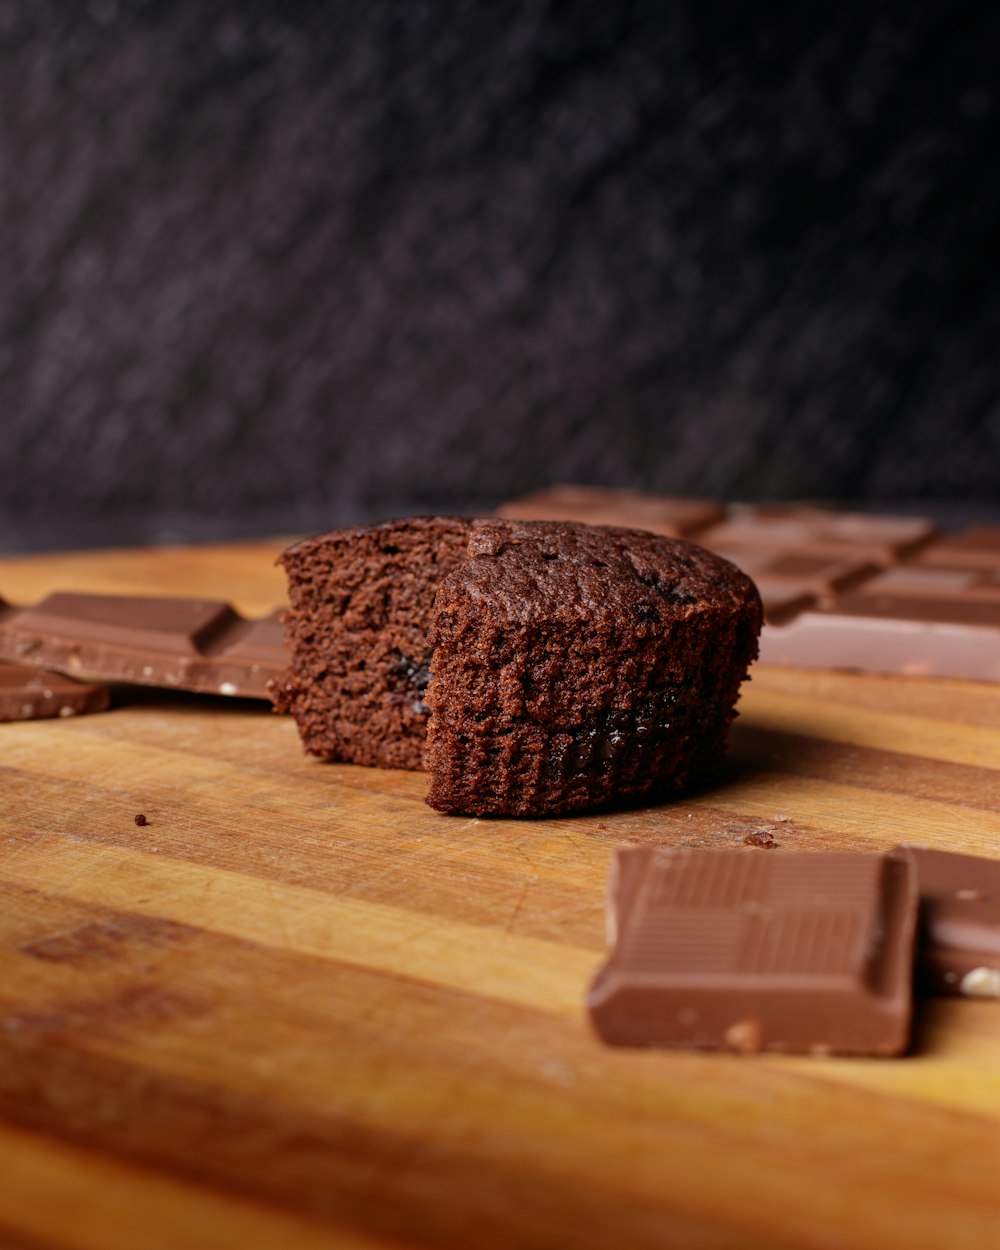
pixel 911 635
pixel 36 694
pixel 959 922
pixel 740 951
pixel 186 644
pixel 595 505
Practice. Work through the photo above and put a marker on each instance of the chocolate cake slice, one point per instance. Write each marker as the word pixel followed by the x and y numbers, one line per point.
pixel 552 666
pixel 361 602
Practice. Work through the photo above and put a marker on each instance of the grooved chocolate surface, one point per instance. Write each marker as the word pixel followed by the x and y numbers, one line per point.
pixel 959 922
pixel 28 693
pixel 744 951
pixel 187 644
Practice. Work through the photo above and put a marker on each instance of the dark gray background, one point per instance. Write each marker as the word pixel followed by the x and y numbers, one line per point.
pixel 276 267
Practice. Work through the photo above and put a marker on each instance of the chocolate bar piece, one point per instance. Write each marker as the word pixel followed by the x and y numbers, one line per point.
pixel 817 574
pixel 843 535
pixel 741 951
pixel 936 581
pixel 977 547
pixel 36 694
pixel 783 603
pixel 790 581
pixel 959 943
pixel 660 514
pixel 186 644
pixel 911 635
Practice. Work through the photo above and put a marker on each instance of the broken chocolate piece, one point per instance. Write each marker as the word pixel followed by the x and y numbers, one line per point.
pixel 186 644
pixel 784 952
pixel 959 943
pixel 29 693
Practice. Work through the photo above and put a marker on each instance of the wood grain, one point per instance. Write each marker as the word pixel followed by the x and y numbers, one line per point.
pixel 300 1008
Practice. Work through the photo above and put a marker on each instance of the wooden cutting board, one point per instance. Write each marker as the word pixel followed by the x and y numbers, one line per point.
pixel 298 1008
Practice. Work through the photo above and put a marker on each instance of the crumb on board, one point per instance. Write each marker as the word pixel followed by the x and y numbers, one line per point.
pixel 141 820
pixel 760 837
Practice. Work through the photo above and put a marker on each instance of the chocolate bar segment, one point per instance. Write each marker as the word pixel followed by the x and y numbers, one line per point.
pixel 186 644
pixel 673 516
pixel 911 635
pixel 818 574
pixel 977 547
pixel 935 581
pixel 959 943
pixel 791 581
pixel 37 694
pixel 843 535
pixel 739 951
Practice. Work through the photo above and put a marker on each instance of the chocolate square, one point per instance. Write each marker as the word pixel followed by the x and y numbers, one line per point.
pixel 742 951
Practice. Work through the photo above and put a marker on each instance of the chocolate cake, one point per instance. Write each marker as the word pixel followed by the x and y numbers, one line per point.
pixel 550 666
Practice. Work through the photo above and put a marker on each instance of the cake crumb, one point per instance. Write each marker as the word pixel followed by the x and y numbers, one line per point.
pixel 760 837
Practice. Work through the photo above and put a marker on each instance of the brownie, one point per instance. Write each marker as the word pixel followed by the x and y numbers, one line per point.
pixel 564 666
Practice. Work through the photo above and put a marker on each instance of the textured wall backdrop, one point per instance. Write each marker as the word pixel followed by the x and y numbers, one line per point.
pixel 284 265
